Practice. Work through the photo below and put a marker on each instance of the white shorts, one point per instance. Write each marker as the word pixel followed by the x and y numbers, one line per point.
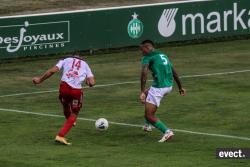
pixel 156 94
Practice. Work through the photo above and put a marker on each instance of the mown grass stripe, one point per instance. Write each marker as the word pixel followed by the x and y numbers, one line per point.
pixel 128 82
pixel 127 124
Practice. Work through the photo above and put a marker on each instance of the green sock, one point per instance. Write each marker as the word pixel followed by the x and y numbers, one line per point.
pixel 147 122
pixel 161 126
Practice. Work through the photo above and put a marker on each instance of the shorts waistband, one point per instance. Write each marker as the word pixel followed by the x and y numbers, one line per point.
pixel 65 83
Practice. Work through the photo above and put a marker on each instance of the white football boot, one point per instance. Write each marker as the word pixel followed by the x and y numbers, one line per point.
pixel 147 128
pixel 168 135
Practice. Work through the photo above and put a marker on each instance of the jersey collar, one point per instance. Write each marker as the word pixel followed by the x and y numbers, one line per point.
pixel 153 52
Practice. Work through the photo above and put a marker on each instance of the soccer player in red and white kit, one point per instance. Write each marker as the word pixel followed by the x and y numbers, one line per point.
pixel 75 72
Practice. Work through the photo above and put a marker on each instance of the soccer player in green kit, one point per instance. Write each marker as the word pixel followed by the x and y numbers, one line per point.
pixel 163 74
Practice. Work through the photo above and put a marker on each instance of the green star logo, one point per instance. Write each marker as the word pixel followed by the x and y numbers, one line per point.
pixel 135 27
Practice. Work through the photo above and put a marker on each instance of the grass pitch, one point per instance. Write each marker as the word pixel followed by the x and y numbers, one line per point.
pixel 213 104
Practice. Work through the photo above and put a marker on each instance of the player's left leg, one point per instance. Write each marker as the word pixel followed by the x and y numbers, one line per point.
pixel 64 98
pixel 66 107
pixel 152 103
pixel 150 110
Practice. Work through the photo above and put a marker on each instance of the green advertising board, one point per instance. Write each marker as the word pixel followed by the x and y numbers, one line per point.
pixel 60 32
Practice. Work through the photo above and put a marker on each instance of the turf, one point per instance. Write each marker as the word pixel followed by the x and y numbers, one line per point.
pixel 213 104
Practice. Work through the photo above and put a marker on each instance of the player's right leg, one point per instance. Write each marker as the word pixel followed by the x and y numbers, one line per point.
pixel 147 127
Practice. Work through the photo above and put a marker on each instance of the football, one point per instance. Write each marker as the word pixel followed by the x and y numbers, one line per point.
pixel 101 124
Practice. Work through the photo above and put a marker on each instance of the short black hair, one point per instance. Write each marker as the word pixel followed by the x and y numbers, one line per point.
pixel 147 41
pixel 76 53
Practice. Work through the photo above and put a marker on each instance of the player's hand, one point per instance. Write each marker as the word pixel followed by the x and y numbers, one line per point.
pixel 182 91
pixel 36 80
pixel 146 92
pixel 142 97
pixel 90 81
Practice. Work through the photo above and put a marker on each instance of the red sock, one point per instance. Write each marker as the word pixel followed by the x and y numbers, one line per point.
pixel 67 125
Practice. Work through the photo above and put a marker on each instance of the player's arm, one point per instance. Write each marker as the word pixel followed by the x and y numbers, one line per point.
pixel 144 73
pixel 90 81
pixel 178 81
pixel 46 75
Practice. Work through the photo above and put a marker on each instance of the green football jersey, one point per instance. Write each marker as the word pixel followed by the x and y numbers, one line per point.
pixel 161 68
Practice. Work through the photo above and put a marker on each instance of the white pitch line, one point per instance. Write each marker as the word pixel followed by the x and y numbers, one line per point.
pixel 29 93
pixel 214 74
pixel 128 82
pixel 130 125
pixel 56 90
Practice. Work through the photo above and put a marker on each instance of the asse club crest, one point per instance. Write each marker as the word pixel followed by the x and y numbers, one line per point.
pixel 135 27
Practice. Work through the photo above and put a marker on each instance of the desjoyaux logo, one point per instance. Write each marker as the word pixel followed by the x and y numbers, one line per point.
pixel 34 36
